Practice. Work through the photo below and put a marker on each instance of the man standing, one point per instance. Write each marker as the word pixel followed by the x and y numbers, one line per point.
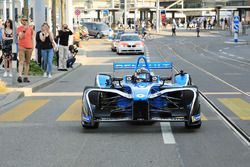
pixel 25 48
pixel 63 37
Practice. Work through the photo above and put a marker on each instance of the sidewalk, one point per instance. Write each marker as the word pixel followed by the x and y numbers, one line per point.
pixel 18 90
pixel 192 32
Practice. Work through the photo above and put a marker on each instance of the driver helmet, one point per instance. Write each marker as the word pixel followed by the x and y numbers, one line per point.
pixel 141 74
pixel 141 70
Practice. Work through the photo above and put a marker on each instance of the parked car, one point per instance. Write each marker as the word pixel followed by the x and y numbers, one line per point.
pixel 130 43
pixel 98 30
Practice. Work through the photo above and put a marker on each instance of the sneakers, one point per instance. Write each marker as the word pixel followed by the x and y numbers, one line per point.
pixel 19 80
pixel 45 75
pixel 49 76
pixel 5 74
pixel 25 79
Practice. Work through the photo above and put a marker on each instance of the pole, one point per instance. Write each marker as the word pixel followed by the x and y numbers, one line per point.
pixel 136 11
pixel 4 10
pixel 125 13
pixel 14 47
pixel 54 16
pixel 113 4
pixel 62 12
pixel 157 15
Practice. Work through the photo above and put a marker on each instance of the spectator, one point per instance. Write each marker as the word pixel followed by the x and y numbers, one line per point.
pixel 38 49
pixel 63 37
pixel 174 25
pixel 25 48
pixel 198 26
pixel 205 23
pixel 7 36
pixel 71 56
pixel 47 44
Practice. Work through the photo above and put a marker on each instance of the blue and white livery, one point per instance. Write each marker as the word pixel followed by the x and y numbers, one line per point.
pixel 141 96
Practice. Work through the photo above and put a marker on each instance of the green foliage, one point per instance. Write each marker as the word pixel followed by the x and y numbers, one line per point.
pixel 35 69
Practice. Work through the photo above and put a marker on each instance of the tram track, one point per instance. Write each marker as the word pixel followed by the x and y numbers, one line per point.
pixel 238 131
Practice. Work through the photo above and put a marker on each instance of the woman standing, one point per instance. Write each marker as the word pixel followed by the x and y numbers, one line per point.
pixel 7 35
pixel 47 43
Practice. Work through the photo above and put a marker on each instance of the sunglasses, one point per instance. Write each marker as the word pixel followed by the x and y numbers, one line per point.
pixel 24 20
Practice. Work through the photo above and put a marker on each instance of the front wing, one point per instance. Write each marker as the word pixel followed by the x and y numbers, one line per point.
pixel 179 104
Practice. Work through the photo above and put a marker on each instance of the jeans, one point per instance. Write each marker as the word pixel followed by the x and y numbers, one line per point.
pixel 70 62
pixel 47 55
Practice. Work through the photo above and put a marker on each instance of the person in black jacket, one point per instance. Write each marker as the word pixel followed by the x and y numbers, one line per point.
pixel 38 48
pixel 63 40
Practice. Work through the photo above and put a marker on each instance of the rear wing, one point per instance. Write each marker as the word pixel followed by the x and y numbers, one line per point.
pixel 151 65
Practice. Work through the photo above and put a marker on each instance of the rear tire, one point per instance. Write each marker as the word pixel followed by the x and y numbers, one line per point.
pixel 95 126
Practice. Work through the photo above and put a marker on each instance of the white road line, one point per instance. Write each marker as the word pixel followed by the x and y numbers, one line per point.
pixel 224 53
pixel 242 62
pixel 51 94
pixel 231 55
pixel 220 50
pixel 242 58
pixel 168 137
pixel 226 48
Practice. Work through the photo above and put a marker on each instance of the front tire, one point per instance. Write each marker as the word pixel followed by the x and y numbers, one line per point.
pixel 87 126
pixel 193 126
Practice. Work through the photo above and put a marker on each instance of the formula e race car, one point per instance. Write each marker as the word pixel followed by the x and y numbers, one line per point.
pixel 141 97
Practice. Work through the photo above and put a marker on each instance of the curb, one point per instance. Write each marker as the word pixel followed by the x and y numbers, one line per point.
pixel 22 92
pixel 11 97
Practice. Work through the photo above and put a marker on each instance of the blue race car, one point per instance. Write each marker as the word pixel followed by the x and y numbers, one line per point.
pixel 141 97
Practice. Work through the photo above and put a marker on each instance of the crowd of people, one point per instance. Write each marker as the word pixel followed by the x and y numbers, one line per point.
pixel 47 46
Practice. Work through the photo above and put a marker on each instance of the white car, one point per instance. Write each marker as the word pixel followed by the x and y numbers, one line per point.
pixel 130 43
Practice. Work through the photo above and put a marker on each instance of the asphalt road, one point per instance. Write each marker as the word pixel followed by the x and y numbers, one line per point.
pixel 44 129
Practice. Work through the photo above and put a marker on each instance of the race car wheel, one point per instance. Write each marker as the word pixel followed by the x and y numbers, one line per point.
pixel 193 126
pixel 87 126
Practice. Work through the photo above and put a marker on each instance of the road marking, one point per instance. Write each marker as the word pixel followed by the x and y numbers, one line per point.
pixel 220 50
pixel 221 93
pixel 242 62
pixel 203 117
pixel 238 106
pixel 231 55
pixel 242 58
pixel 224 53
pixel 51 94
pixel 168 137
pixel 73 113
pixel 226 48
pixel 23 110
